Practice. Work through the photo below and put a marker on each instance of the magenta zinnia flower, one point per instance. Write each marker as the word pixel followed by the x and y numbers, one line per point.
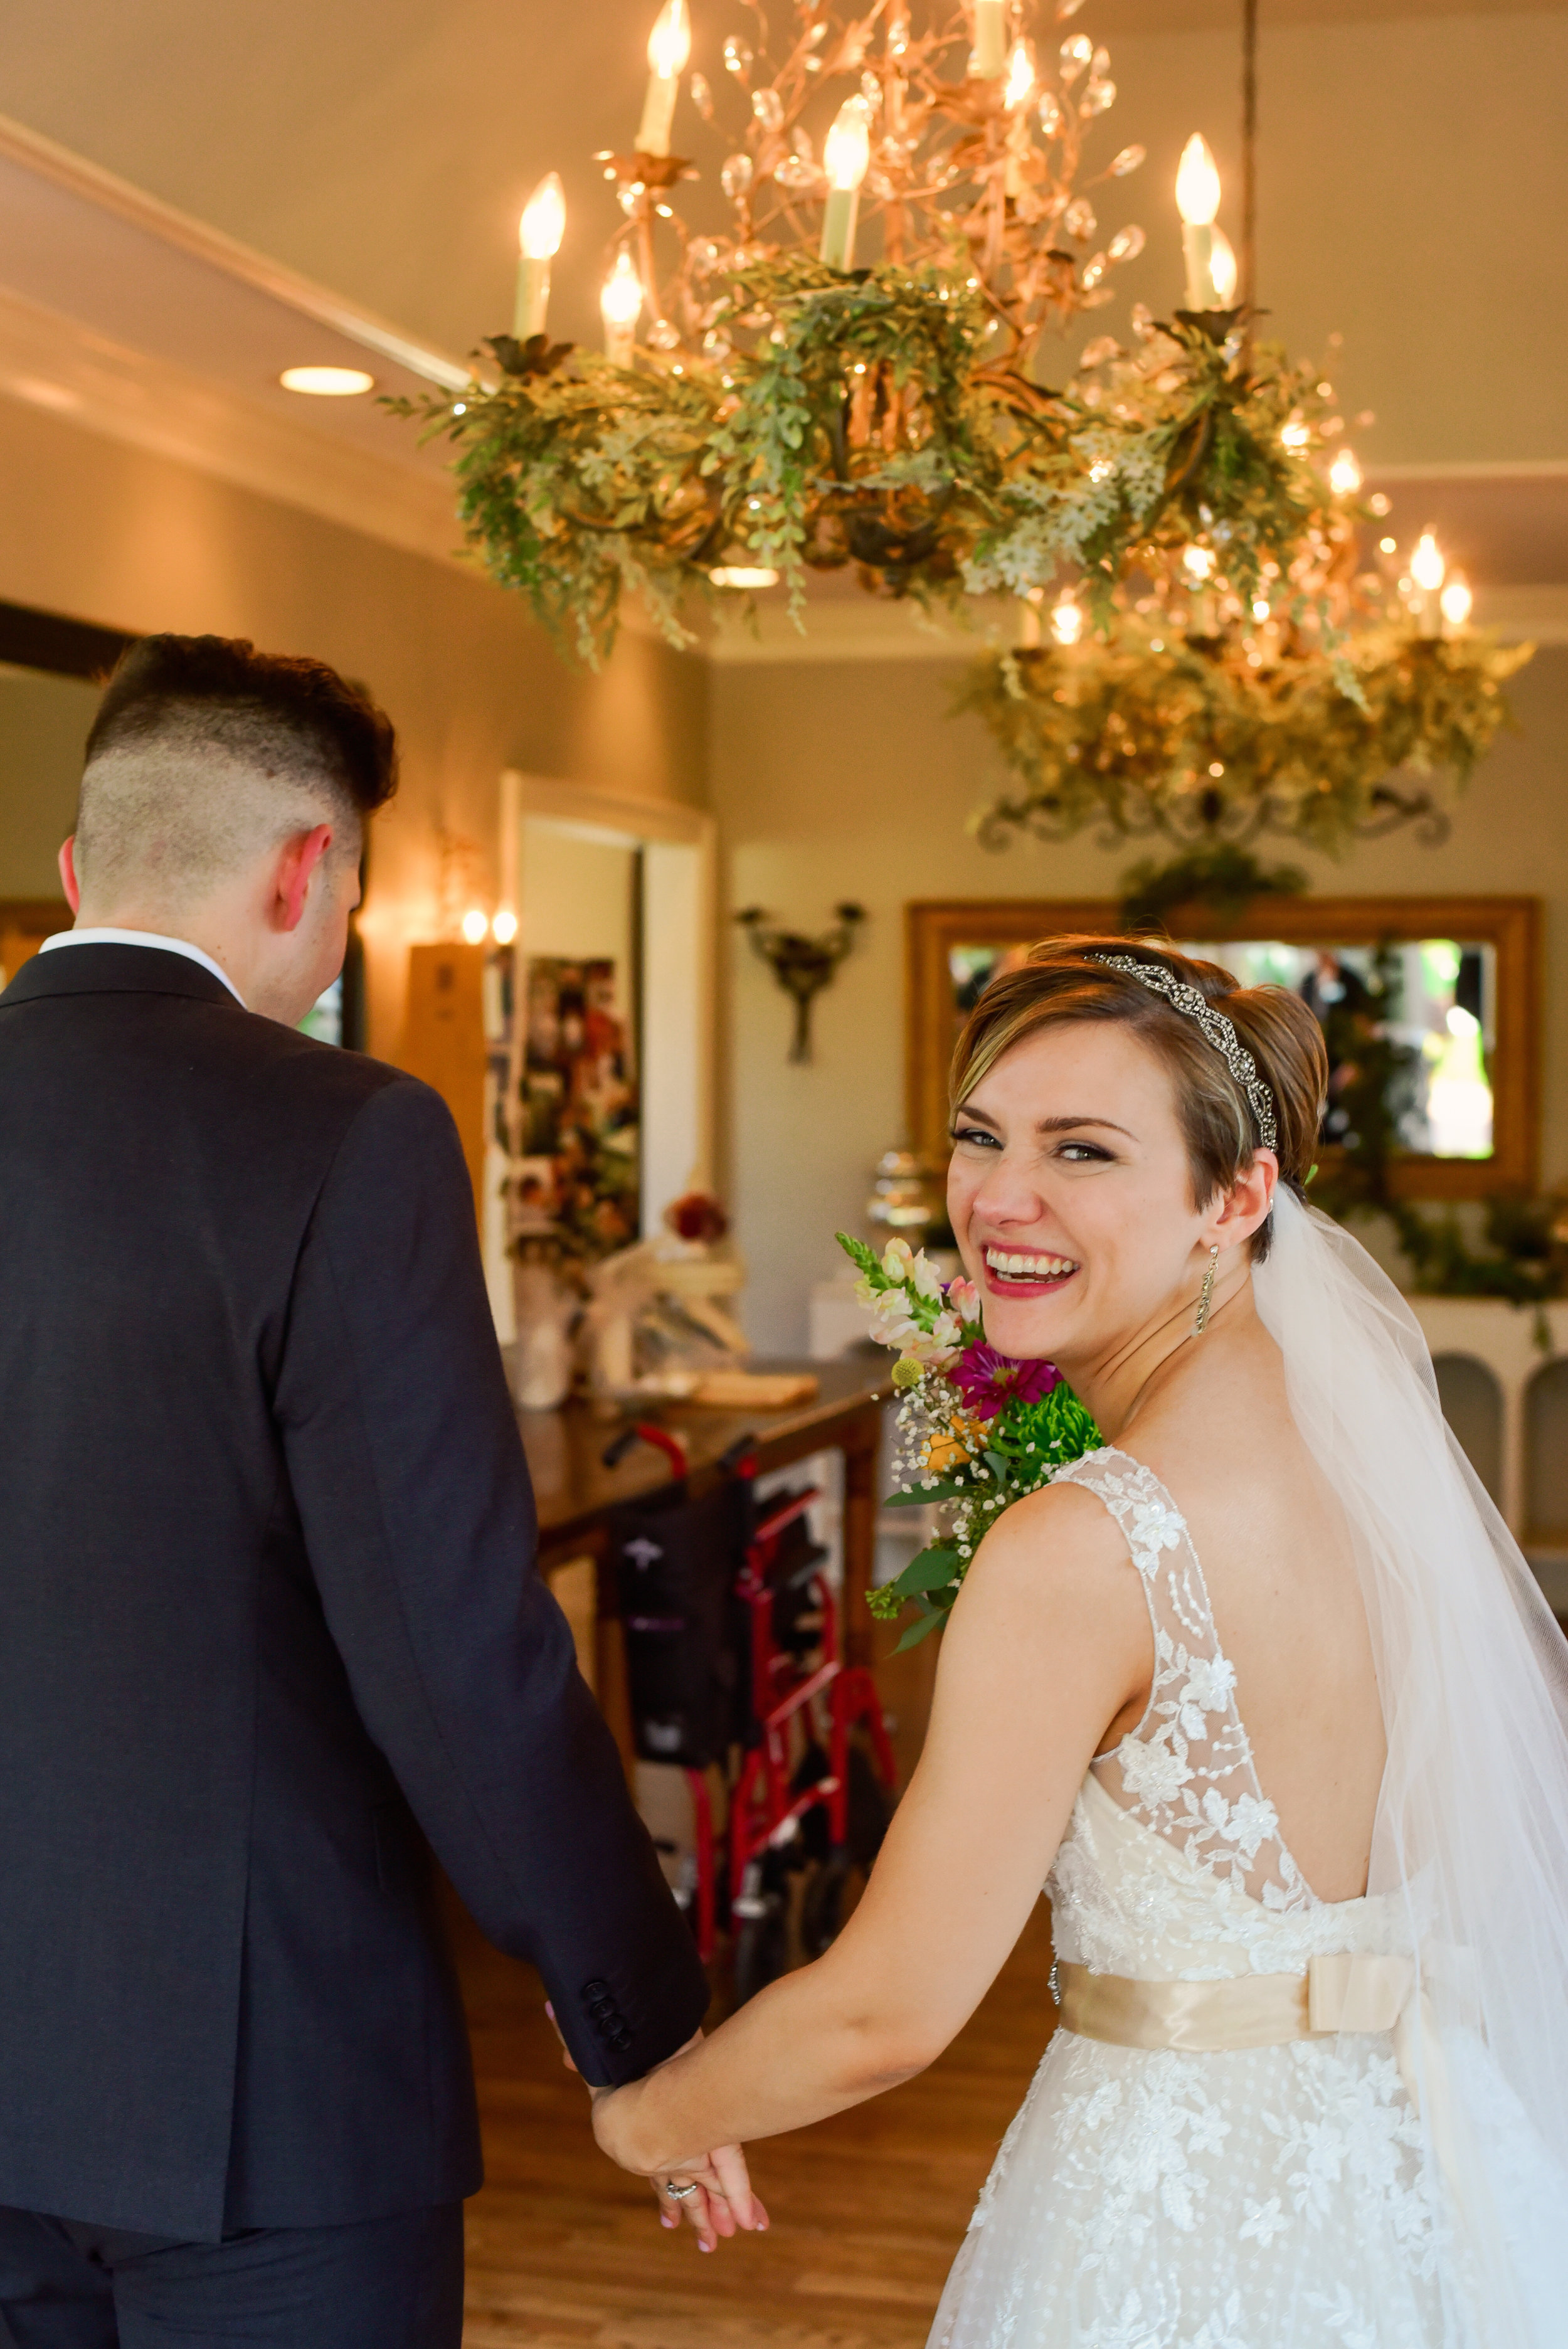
pixel 988 1381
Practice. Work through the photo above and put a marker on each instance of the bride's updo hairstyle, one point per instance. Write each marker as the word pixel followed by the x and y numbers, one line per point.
pixel 1061 982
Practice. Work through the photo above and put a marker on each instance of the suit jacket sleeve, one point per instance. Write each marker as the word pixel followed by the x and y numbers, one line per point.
pixel 412 1492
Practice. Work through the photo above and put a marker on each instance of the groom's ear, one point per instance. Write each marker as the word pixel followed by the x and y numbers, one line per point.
pixel 297 860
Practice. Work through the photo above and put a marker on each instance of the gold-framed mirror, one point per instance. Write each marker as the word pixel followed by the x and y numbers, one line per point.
pixel 1470 976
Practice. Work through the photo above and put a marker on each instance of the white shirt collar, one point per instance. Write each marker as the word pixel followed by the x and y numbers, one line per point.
pixel 144 938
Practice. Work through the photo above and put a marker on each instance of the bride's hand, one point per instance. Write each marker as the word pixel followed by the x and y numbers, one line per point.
pixel 712 2191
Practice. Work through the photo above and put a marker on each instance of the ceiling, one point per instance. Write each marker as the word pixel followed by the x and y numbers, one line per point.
pixel 383 150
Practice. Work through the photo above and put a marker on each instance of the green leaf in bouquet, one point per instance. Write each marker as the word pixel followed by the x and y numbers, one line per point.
pixel 931 1569
pixel 921 1629
pixel 917 1496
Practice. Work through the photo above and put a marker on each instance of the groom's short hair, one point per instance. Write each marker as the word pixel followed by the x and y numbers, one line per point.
pixel 205 752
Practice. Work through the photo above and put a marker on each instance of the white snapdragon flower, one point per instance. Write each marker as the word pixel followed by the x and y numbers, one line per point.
pixel 925 1278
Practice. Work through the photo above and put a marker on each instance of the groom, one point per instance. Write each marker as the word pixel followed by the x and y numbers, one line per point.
pixel 270 1629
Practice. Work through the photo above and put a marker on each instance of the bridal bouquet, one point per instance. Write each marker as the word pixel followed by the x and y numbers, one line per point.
pixel 976 1430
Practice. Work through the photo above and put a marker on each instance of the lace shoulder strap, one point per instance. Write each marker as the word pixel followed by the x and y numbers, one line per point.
pixel 1187 1769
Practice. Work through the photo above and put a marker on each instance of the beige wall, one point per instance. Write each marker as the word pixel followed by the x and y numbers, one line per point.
pixel 101 532
pixel 850 781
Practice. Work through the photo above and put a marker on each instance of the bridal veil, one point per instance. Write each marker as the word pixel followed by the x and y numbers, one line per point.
pixel 1472 1834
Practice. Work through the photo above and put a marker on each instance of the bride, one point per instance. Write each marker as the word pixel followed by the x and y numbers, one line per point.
pixel 1264 1693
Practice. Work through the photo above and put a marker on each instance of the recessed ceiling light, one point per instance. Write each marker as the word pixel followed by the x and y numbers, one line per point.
pixel 326 382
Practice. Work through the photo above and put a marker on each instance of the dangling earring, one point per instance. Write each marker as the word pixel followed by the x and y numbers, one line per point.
pixel 1206 1298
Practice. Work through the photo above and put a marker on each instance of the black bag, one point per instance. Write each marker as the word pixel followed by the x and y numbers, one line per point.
pixel 675 1562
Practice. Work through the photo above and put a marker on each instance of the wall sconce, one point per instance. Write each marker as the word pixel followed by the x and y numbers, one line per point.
pixel 802 966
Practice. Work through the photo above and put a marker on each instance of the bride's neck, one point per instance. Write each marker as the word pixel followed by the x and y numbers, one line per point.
pixel 1118 1384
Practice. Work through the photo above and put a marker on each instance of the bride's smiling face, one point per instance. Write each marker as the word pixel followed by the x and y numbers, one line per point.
pixel 1070 1193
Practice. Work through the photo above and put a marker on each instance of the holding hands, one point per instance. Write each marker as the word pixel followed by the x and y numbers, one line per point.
pixel 711 2190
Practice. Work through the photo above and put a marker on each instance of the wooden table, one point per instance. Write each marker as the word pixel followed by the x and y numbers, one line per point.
pixel 574 1489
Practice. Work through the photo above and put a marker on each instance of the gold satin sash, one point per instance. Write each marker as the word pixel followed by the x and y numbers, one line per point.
pixel 1348 1991
pixel 1344 1993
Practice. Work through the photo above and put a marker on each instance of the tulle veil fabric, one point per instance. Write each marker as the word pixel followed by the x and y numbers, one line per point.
pixel 1472 1834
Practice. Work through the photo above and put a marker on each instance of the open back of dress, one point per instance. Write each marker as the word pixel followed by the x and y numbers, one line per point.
pixel 1154 2197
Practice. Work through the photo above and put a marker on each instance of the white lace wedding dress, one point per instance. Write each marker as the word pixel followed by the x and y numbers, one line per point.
pixel 1153 2199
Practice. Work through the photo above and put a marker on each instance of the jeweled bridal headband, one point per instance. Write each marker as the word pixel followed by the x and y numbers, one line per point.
pixel 1215 1027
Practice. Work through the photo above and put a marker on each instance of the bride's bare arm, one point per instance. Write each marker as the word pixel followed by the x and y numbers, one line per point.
pixel 1048 1646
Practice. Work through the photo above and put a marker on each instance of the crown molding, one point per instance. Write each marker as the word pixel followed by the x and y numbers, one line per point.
pixel 1479 469
pixel 593 813
pixel 875 630
pixel 52 363
pixel 834 630
pixel 110 193
pixel 1525 614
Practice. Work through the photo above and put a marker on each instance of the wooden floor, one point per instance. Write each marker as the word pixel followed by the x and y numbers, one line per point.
pixel 867 2210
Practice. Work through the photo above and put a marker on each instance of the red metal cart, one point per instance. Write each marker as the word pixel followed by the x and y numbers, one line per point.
pixel 807 1791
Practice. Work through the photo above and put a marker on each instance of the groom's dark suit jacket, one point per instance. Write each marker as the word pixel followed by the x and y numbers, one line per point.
pixel 267 1610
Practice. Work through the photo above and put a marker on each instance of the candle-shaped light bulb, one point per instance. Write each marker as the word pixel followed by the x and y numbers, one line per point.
pixel 669 46
pixel 1456 600
pixel 989 62
pixel 1016 96
pixel 1428 571
pixel 543 221
pixel 1198 200
pixel 1221 268
pixel 1067 618
pixel 1345 474
pixel 620 306
pixel 538 235
pixel 1428 567
pixel 504 926
pixel 669 43
pixel 846 156
pixel 847 149
pixel 475 925
pixel 1198 183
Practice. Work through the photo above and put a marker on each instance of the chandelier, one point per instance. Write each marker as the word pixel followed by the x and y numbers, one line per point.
pixel 846 375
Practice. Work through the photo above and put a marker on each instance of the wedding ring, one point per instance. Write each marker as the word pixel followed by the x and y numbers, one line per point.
pixel 678 2193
